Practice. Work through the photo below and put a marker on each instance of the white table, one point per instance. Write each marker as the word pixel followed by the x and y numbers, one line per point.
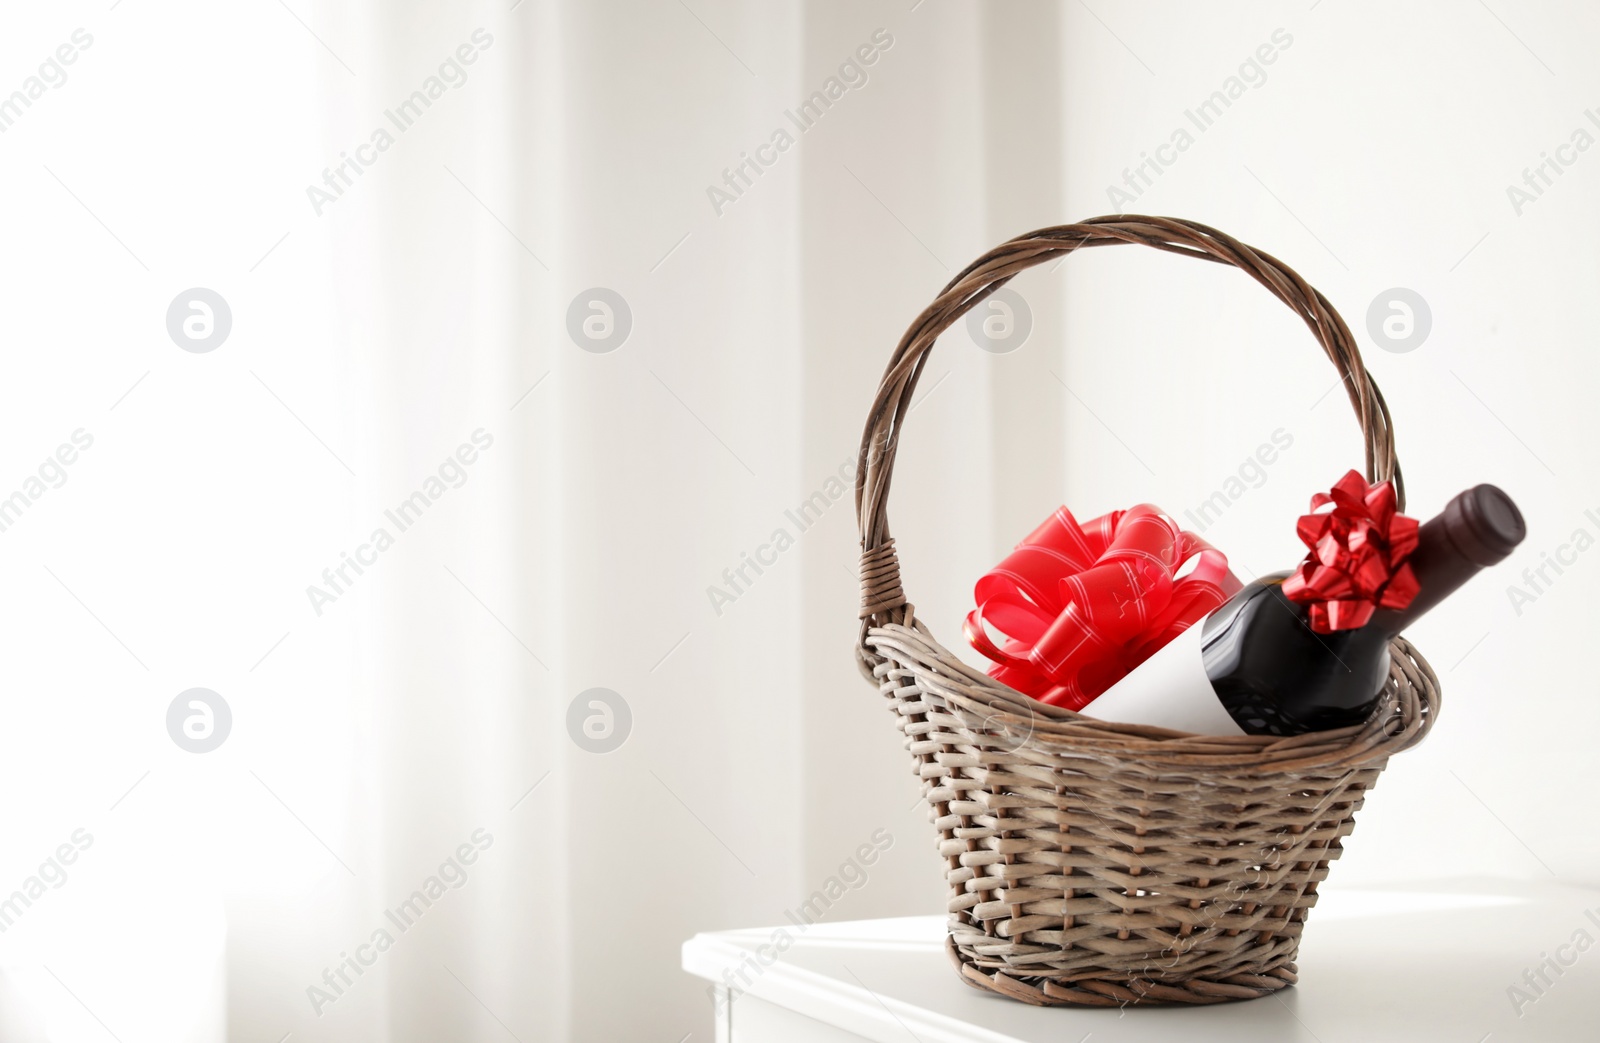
pixel 1430 962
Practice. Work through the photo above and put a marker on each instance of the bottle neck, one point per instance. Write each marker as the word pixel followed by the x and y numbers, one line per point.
pixel 1475 530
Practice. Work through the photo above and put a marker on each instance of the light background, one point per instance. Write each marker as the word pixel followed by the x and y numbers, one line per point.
pixel 371 340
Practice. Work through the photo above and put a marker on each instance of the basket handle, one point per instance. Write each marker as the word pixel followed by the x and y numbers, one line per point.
pixel 882 598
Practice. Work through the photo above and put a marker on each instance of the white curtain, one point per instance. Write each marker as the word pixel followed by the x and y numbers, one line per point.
pixel 605 540
pixel 609 543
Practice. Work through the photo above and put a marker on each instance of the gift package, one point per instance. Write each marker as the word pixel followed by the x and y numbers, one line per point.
pixel 1138 800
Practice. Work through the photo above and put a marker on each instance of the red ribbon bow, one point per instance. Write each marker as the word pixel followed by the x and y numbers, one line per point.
pixel 1357 563
pixel 1082 605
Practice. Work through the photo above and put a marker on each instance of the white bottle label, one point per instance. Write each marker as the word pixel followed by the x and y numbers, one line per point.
pixel 1169 690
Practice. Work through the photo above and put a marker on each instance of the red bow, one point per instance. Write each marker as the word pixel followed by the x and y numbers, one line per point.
pixel 1357 563
pixel 1081 606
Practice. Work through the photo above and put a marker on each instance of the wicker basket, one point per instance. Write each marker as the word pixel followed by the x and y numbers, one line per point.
pixel 1101 864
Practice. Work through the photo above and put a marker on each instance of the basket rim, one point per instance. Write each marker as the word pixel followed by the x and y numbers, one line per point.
pixel 1405 713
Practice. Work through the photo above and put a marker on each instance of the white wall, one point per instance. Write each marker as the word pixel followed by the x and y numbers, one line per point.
pixel 1376 154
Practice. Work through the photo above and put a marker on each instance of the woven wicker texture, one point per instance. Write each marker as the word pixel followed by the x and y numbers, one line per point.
pixel 1096 863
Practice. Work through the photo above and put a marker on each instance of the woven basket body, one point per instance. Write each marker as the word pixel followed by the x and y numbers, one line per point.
pixel 1097 863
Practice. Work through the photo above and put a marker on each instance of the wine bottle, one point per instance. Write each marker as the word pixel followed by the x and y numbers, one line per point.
pixel 1267 663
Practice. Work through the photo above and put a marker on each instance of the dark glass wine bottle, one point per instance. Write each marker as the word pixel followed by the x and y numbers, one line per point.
pixel 1261 662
